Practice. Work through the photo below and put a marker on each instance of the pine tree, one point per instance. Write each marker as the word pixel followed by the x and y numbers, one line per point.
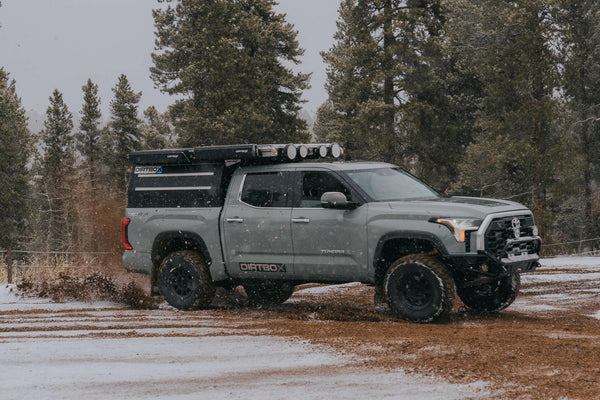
pixel 57 176
pixel 496 167
pixel 156 130
pixel 352 63
pixel 123 135
pixel 58 158
pixel 226 60
pixel 88 137
pixel 14 156
pixel 581 21
pixel 327 126
pixel 518 70
pixel 441 99
pixel 385 84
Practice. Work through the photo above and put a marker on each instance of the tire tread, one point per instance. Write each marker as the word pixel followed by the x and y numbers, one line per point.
pixel 439 269
pixel 206 293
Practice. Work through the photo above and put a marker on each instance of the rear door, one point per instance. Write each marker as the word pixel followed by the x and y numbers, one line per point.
pixel 256 227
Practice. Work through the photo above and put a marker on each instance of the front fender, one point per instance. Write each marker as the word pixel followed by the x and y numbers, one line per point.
pixel 437 243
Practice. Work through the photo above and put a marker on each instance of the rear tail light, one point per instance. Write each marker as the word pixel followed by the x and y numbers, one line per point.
pixel 126 222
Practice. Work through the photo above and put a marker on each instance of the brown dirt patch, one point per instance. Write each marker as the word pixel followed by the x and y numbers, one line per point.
pixel 549 354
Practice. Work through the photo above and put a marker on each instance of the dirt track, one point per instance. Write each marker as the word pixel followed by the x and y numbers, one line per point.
pixel 545 346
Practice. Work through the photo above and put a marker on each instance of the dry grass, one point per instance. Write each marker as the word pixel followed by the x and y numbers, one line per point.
pixel 46 267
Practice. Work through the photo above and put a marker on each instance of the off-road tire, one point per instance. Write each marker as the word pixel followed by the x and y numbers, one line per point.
pixel 184 281
pixel 268 292
pixel 491 297
pixel 419 288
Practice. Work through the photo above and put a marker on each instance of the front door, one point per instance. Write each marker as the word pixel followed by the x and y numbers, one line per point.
pixel 328 244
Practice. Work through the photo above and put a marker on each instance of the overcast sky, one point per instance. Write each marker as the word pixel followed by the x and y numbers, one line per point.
pixel 59 44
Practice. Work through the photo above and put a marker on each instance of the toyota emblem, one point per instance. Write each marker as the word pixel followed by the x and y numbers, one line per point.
pixel 516 227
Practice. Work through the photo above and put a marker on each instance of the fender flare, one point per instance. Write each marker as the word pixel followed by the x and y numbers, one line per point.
pixel 418 235
pixel 193 240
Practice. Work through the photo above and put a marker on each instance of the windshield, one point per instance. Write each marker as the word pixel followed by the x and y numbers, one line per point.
pixel 385 184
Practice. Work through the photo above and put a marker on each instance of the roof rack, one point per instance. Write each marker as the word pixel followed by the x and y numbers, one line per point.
pixel 244 153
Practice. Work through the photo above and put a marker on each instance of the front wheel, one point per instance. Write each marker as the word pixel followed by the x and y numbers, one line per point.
pixel 266 293
pixel 185 282
pixel 493 296
pixel 419 288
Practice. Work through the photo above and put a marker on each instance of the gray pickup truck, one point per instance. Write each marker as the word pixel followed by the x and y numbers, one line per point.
pixel 270 217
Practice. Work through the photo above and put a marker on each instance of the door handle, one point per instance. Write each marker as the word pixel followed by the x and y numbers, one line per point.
pixel 236 219
pixel 300 220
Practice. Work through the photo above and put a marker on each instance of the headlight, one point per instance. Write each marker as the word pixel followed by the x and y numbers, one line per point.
pixel 459 226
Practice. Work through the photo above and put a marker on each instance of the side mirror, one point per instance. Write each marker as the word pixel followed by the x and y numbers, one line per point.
pixel 337 200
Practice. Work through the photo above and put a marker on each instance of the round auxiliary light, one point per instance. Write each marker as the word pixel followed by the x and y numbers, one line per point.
pixel 291 151
pixel 336 150
pixel 303 151
pixel 323 151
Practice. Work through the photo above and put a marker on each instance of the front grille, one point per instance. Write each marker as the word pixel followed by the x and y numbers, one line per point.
pixel 501 240
pixel 468 242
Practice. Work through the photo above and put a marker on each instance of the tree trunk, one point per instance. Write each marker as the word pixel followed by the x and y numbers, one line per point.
pixel 388 85
pixel 9 270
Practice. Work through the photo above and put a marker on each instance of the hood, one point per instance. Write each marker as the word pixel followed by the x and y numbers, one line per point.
pixel 457 207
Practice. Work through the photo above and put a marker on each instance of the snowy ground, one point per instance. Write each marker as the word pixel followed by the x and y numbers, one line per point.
pixel 579 281
pixel 100 350
pixel 92 351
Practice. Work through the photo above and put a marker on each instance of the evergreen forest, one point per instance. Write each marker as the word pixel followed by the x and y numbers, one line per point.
pixel 476 97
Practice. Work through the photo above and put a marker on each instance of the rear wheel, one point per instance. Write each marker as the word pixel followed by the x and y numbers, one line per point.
pixel 493 296
pixel 419 288
pixel 266 293
pixel 184 281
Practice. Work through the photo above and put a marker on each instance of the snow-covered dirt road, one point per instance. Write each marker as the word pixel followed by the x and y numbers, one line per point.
pixel 99 351
pixel 324 343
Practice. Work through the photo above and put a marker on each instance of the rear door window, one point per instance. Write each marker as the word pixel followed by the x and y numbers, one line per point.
pixel 270 189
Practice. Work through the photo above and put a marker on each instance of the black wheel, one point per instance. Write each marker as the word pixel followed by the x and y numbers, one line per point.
pixel 419 288
pixel 265 293
pixel 493 296
pixel 185 282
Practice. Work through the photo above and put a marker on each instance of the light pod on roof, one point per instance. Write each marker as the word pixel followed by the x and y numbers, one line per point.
pixel 302 151
pixel 323 151
pixel 298 152
pixel 336 150
pixel 290 152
